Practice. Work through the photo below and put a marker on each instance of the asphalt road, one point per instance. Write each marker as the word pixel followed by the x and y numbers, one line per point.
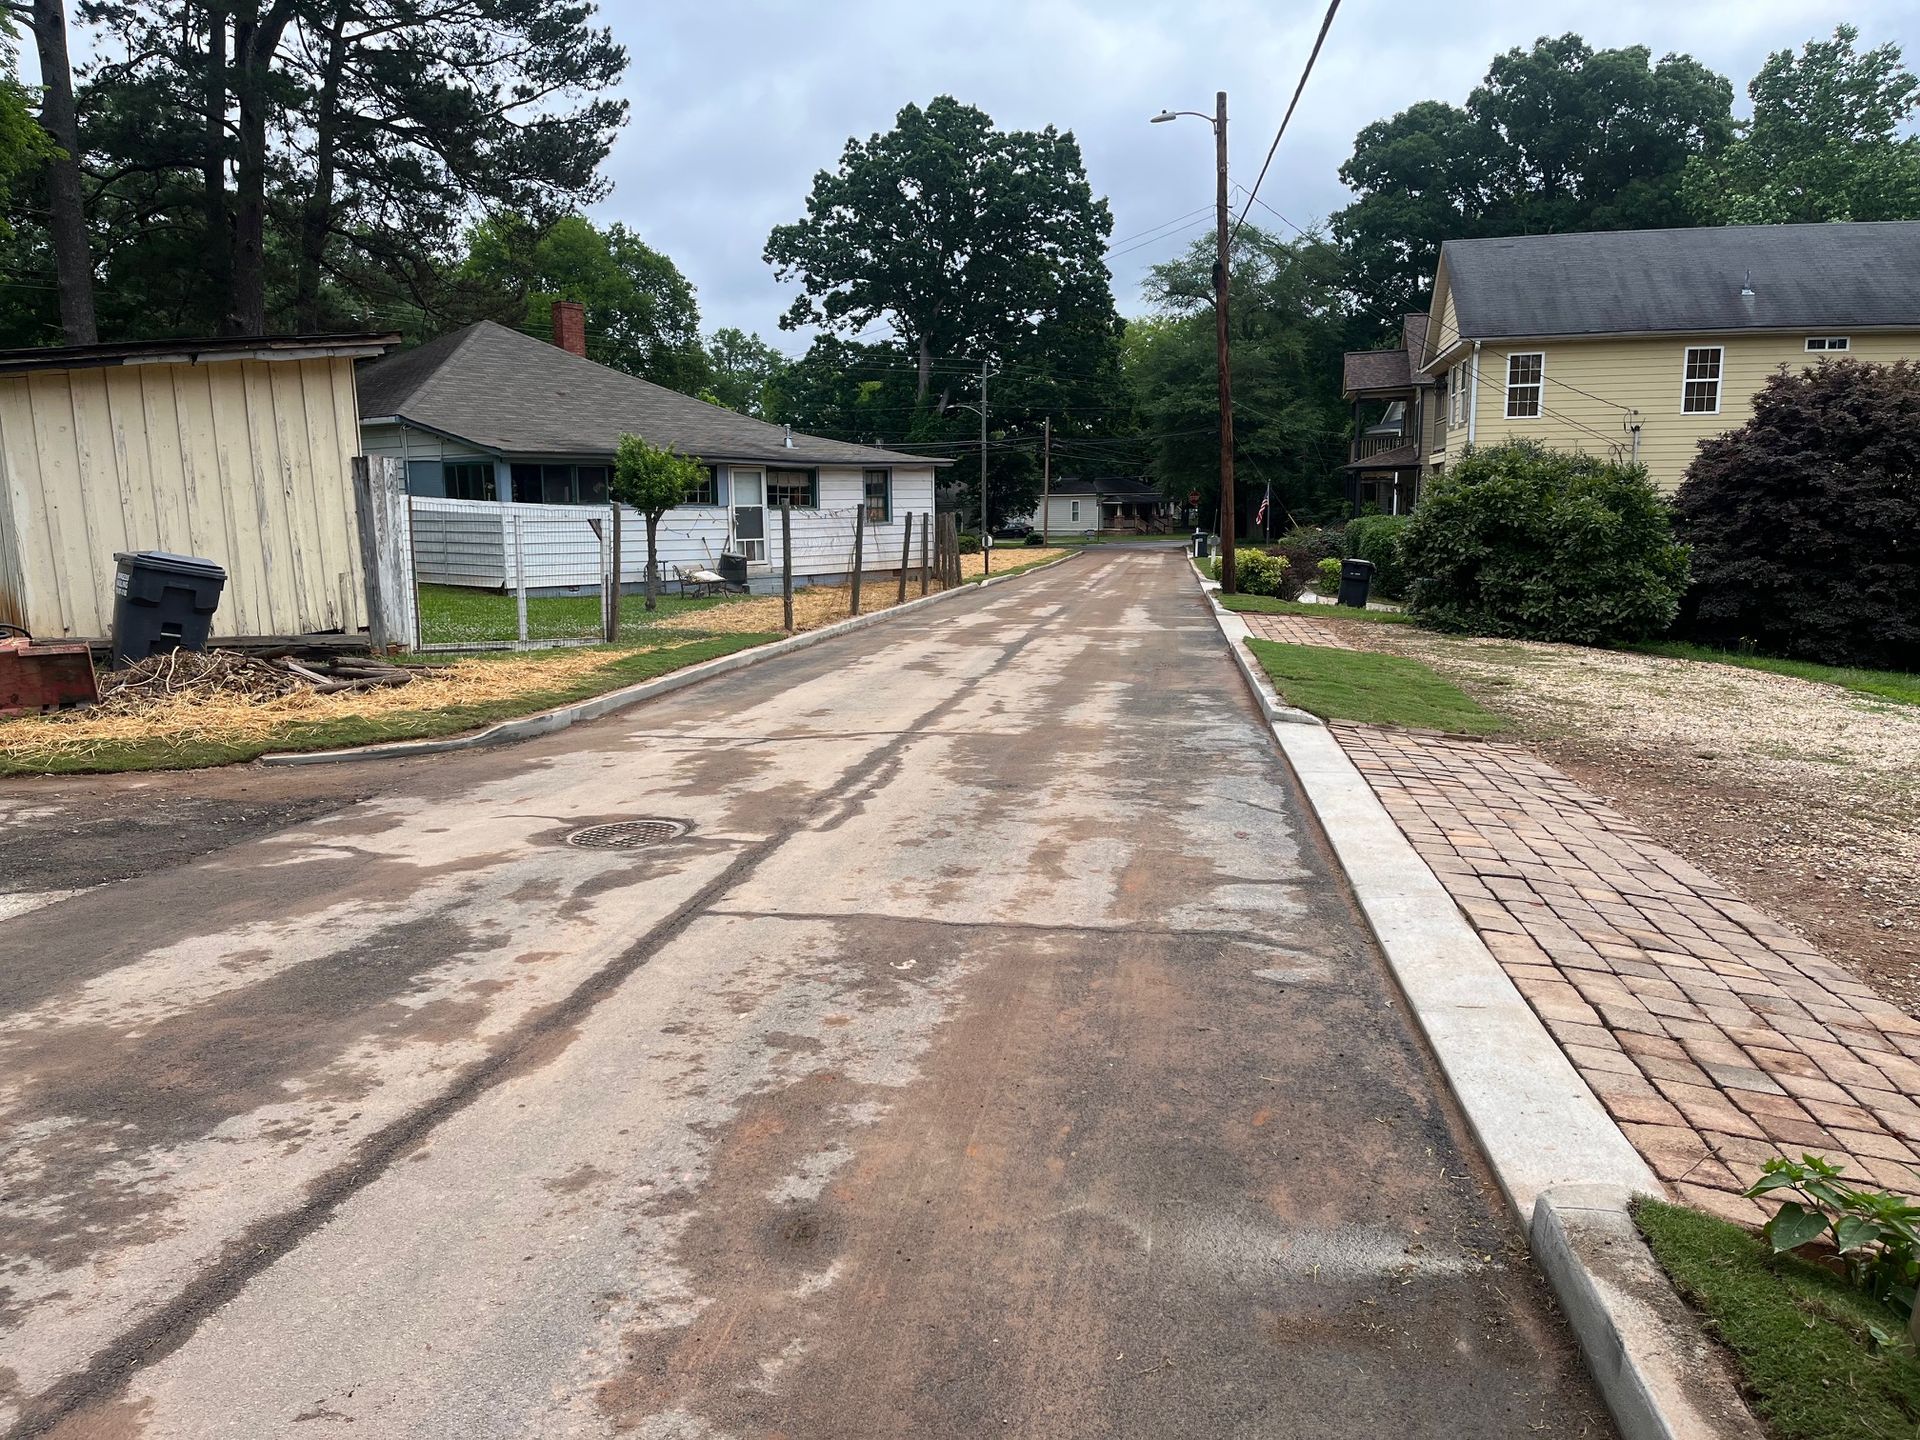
pixel 995 1053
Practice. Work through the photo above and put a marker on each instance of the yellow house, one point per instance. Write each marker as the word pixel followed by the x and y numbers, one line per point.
pixel 1637 345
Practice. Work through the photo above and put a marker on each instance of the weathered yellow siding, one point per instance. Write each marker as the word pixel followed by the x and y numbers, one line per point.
pixel 1593 390
pixel 244 462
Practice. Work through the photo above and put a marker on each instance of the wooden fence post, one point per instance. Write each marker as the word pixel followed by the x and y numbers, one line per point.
pixel 384 513
pixel 926 522
pixel 786 563
pixel 859 548
pixel 906 559
pixel 613 589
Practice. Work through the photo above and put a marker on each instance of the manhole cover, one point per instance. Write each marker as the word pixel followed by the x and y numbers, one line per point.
pixel 627 834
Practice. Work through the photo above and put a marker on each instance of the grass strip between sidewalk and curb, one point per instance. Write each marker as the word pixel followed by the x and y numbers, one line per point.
pixel 1801 1337
pixel 577 678
pixel 1271 605
pixel 1896 685
pixel 1369 688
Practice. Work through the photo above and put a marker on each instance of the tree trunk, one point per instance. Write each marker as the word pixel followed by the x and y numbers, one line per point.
pixel 213 163
pixel 316 219
pixel 67 216
pixel 653 562
pixel 256 40
pixel 926 371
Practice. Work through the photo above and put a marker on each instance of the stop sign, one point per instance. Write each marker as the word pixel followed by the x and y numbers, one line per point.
pixel 1193 497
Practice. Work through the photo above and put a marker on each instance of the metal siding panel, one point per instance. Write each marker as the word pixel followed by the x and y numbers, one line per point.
pixel 62 567
pixel 286 581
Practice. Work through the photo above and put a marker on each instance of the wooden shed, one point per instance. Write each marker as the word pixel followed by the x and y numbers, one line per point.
pixel 235 450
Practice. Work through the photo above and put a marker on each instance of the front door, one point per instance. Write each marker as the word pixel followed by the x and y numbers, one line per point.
pixel 750 514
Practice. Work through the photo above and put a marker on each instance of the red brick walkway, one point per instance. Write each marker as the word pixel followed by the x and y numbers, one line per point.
pixel 1296 630
pixel 1715 1036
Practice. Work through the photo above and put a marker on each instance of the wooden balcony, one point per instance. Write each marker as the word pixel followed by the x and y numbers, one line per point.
pixel 1377 441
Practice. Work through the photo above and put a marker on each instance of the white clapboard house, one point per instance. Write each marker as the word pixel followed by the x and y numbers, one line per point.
pixel 508 444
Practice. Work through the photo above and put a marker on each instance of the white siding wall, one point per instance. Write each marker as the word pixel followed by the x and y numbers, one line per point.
pixel 244 462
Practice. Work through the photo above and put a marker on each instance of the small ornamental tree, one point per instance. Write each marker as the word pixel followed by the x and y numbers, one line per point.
pixel 1805 522
pixel 1537 544
pixel 653 480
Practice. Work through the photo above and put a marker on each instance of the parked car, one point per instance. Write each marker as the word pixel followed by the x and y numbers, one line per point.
pixel 1013 530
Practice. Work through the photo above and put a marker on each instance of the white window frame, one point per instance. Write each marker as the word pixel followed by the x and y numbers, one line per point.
pixel 1539 387
pixel 1073 512
pixel 1457 396
pixel 1719 376
pixel 1827 344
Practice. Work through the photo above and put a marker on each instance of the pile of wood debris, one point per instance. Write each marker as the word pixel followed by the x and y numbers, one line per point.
pixel 234 674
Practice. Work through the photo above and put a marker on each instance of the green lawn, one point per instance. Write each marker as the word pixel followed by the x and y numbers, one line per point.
pixel 1270 605
pixel 1372 689
pixel 1803 1339
pixel 456 615
pixel 1882 684
pixel 623 668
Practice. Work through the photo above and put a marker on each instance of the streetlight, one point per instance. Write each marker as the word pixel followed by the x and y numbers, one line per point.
pixel 1219 122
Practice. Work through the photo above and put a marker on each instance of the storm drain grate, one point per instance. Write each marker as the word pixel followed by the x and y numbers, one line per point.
pixel 627 834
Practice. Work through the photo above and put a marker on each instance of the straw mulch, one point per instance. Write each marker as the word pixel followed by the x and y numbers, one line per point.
pixel 249 710
pixel 819 605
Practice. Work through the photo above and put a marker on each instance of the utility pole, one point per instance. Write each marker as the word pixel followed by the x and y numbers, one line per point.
pixel 1220 341
pixel 1046 476
pixel 986 539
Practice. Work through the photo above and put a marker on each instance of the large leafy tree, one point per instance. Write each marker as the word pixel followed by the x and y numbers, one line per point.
pixel 1824 142
pixel 962 238
pixel 256 164
pixel 742 371
pixel 640 310
pixel 1289 326
pixel 1558 137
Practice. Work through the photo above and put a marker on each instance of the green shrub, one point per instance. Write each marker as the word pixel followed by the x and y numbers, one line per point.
pixel 1305 546
pixel 1874 1232
pixel 1255 572
pixel 1805 522
pixel 1326 576
pixel 1523 541
pixel 969 544
pixel 1035 538
pixel 1377 538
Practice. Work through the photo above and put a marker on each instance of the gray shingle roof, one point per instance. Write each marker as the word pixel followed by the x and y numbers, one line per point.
pixel 508 392
pixel 1804 277
pixel 1375 370
pixel 1120 487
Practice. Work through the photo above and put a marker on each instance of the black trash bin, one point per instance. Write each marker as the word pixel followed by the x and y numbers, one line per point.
pixel 733 569
pixel 1201 549
pixel 1356 578
pixel 162 602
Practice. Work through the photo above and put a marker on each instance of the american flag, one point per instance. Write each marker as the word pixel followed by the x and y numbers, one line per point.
pixel 1260 515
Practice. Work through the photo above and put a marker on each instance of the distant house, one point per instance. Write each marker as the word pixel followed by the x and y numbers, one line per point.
pixel 1393 423
pixel 235 450
pixel 489 414
pixel 1114 505
pixel 1634 344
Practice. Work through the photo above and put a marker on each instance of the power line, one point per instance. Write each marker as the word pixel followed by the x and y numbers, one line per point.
pixel 1163 225
pixel 1319 40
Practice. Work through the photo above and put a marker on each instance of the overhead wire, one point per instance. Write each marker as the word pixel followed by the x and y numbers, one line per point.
pixel 1333 7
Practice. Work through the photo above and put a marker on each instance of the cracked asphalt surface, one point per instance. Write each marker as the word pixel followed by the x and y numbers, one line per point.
pixel 996 1053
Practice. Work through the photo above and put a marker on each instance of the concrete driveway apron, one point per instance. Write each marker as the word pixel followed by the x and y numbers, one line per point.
pixel 995 1053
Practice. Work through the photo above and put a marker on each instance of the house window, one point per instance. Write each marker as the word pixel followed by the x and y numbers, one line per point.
pixel 590 484
pixel 790 487
pixel 707 492
pixel 470 480
pixel 1826 342
pixel 1073 512
pixel 1700 390
pixel 1458 392
pixel 1525 375
pixel 879 491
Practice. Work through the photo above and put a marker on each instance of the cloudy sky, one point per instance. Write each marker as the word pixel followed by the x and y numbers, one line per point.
pixel 736 104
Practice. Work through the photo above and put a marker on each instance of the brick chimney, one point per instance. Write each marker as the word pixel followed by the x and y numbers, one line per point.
pixel 570 327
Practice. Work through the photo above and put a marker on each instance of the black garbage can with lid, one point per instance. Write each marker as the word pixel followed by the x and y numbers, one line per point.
pixel 1202 549
pixel 1356 578
pixel 162 602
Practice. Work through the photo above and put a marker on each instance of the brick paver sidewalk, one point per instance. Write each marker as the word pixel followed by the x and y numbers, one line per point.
pixel 1715 1036
pixel 1295 630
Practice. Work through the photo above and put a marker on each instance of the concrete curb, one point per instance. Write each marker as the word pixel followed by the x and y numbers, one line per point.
pixel 545 722
pixel 1565 1167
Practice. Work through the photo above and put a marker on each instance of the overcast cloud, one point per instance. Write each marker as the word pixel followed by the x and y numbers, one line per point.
pixel 735 105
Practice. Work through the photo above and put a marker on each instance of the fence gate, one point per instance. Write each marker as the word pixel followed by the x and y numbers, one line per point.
pixel 494 575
